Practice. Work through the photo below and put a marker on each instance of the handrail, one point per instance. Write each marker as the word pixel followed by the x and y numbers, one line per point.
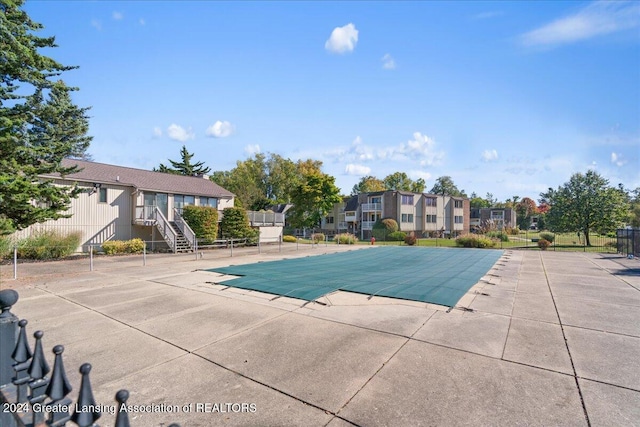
pixel 187 232
pixel 168 233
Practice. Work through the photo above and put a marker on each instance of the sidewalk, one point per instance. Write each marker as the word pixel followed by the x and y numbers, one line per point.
pixel 553 339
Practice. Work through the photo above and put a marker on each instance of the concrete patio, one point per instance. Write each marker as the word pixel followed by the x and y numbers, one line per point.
pixel 552 339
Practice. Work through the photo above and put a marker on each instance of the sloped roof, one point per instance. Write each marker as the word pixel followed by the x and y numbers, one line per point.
pixel 352 204
pixel 143 179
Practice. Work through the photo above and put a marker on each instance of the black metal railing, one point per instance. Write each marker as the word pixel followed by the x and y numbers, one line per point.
pixel 29 396
pixel 628 241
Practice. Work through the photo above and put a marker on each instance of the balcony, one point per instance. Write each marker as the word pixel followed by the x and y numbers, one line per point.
pixel 371 207
pixel 350 217
pixel 367 225
pixel 258 219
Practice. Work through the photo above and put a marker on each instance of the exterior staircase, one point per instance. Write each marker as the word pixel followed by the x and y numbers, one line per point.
pixel 182 244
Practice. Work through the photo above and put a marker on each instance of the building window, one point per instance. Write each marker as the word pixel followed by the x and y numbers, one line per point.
pixel 431 219
pixel 407 200
pixel 458 219
pixel 209 201
pixel 458 204
pixel 497 215
pixel 407 218
pixel 330 220
pixel 102 195
pixel 375 200
pixel 431 201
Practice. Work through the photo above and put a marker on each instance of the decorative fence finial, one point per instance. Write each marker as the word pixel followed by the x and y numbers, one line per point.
pixel 8 330
pixel 22 355
pixel 38 370
pixel 58 389
pixel 122 419
pixel 8 298
pixel 86 413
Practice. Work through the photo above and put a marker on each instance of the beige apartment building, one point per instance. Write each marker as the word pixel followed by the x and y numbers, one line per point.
pixel 424 214
pixel 122 203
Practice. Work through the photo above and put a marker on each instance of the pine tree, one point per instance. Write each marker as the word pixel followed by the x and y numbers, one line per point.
pixel 39 124
pixel 184 167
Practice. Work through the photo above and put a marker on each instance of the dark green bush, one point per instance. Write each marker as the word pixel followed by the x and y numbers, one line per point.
pixel 6 247
pixel 203 220
pixel 475 241
pixel 48 245
pixel 549 237
pixel 397 236
pixel 383 227
pixel 235 225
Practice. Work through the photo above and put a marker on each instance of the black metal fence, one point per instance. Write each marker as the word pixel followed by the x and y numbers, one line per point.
pixel 628 241
pixel 33 395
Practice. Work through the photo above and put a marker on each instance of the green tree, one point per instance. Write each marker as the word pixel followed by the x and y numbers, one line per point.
pixel 478 202
pixel 313 199
pixel 584 204
pixel 635 208
pixel 235 224
pixel 184 166
pixel 399 181
pixel 368 184
pixel 444 185
pixel 524 210
pixel 39 124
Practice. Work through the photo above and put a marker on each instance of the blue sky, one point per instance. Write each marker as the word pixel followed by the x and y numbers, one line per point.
pixel 509 98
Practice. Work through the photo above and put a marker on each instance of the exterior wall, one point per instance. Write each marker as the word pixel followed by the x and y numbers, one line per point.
pixel 270 234
pixel 97 222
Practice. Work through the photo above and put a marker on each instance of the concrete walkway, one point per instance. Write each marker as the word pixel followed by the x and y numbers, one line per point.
pixel 553 339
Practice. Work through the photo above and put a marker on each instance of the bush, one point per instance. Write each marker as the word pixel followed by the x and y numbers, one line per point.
pixel 512 231
pixel 549 237
pixel 410 239
pixel 397 236
pixel 203 220
pixel 317 237
pixel 500 235
pixel 48 245
pixel 289 239
pixel 6 247
pixel 235 224
pixel 543 244
pixel 383 228
pixel 133 246
pixel 475 241
pixel 345 239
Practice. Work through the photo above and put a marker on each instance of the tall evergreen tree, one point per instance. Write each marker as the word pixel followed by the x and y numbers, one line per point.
pixel 39 124
pixel 184 166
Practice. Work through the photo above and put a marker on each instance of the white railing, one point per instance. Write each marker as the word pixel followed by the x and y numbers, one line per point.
pixel 371 207
pixel 265 218
pixel 187 232
pixel 168 233
pixel 367 225
pixel 145 213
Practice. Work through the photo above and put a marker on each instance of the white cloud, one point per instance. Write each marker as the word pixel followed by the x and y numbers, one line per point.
pixel 421 147
pixel 117 16
pixel 96 24
pixel 358 170
pixel 343 39
pixel 220 129
pixel 489 155
pixel 420 174
pixel 157 132
pixel 179 133
pixel 252 149
pixel 597 19
pixel 617 159
pixel 388 63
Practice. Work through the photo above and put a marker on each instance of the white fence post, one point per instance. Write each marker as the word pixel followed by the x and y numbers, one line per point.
pixel 15 263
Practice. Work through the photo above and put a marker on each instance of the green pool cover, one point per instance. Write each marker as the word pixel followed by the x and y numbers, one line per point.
pixel 435 275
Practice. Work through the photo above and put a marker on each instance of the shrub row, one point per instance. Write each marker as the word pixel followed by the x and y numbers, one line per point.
pixel 475 241
pixel 500 235
pixel 133 246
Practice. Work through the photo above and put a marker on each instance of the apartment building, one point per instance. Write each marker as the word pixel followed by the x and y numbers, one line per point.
pixel 424 214
pixel 492 218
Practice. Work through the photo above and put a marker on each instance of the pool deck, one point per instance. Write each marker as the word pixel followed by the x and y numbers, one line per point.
pixel 545 338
